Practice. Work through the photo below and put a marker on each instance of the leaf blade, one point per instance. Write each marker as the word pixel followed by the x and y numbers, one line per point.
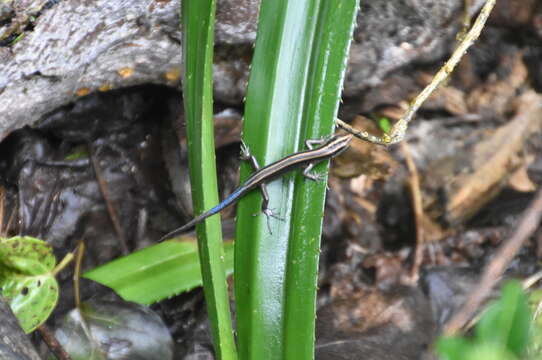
pixel 27 279
pixel 156 272
pixel 198 40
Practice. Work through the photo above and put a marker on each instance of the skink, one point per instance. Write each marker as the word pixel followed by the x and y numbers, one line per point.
pixel 326 149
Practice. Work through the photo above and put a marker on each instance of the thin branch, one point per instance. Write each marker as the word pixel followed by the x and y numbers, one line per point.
pixel 77 273
pixel 416 197
pixel 52 343
pixel 364 135
pixel 398 130
pixel 110 208
pixel 3 231
pixel 65 261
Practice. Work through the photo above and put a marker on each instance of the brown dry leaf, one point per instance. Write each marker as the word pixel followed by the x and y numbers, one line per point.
pixel 388 268
pixel 375 324
pixel 492 161
pixel 494 95
pixel 432 231
pixel 520 180
pixel 446 97
pixel 514 13
pixel 394 112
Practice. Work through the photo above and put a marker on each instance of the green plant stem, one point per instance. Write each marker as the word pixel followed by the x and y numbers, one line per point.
pixel 198 39
pixel 292 95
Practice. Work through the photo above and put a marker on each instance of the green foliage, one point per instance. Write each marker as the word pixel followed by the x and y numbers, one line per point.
pixel 293 94
pixel 535 345
pixel 198 18
pixel 507 322
pixel 156 272
pixel 76 155
pixel 384 124
pixel 503 332
pixel 27 279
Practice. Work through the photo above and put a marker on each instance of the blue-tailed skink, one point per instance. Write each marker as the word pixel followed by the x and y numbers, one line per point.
pixel 326 150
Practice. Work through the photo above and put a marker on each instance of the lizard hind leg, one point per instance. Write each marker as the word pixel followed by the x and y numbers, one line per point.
pixel 268 212
pixel 245 155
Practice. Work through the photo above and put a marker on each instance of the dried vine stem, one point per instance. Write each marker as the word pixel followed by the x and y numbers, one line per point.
pixel 398 130
pixel 416 198
pixel 52 343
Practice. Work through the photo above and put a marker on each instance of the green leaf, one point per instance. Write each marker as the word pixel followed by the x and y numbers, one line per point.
pixel 502 333
pixel 156 272
pixel 76 155
pixel 507 322
pixel 26 255
pixel 197 46
pixel 384 124
pixel 457 348
pixel 329 51
pixel 453 348
pixel 293 94
pixel 488 351
pixel 535 348
pixel 27 280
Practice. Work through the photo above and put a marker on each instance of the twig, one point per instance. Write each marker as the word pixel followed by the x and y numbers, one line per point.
pixel 77 273
pixel 398 130
pixel 2 197
pixel 3 231
pixel 526 284
pixel 110 209
pixel 5 228
pixel 531 280
pixel 65 261
pixel 414 184
pixel 467 18
pixel 526 227
pixel 364 135
pixel 12 218
pixel 52 343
